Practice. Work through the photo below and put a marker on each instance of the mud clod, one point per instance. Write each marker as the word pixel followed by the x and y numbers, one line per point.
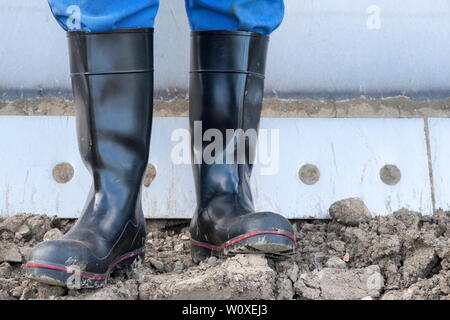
pixel 331 283
pixel 240 277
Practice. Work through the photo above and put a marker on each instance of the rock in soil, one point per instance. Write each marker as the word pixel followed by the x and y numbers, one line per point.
pixel 403 255
pixel 10 253
pixel 53 234
pixel 350 212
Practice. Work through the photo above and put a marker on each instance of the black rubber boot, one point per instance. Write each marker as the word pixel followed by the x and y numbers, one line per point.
pixel 112 82
pixel 226 91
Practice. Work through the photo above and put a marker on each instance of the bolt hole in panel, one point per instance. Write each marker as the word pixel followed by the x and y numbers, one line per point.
pixel 348 158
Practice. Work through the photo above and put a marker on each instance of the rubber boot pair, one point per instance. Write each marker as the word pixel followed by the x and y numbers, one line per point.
pixel 112 82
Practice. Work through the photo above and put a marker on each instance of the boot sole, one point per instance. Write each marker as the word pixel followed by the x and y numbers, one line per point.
pixel 64 276
pixel 276 245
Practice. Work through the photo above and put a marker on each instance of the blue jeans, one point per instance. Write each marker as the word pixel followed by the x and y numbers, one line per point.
pixel 261 16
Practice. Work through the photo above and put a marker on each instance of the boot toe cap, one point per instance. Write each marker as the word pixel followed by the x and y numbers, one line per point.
pixel 262 221
pixel 60 253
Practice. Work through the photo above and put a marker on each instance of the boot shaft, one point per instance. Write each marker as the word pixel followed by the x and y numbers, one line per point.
pixel 226 92
pixel 112 82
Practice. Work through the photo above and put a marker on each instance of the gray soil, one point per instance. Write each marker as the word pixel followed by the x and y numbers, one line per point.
pixel 352 256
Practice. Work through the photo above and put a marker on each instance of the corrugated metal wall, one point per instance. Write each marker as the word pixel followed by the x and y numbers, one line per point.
pixel 324 48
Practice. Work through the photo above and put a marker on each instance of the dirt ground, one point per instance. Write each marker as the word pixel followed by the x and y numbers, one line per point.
pixel 352 256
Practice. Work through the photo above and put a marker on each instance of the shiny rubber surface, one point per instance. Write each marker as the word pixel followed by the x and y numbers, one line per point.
pixel 112 81
pixel 226 91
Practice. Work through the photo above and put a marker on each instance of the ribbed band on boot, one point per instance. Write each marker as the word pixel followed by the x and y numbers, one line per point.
pixel 215 51
pixel 84 49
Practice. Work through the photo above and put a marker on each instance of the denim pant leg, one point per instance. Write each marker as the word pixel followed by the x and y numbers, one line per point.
pixel 262 16
pixel 104 15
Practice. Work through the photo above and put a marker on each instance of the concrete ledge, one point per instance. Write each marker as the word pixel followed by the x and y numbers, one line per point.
pixel 395 107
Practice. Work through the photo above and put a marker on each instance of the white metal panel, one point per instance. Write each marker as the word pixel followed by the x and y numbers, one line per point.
pixel 172 192
pixel 30 148
pixel 348 152
pixel 439 132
